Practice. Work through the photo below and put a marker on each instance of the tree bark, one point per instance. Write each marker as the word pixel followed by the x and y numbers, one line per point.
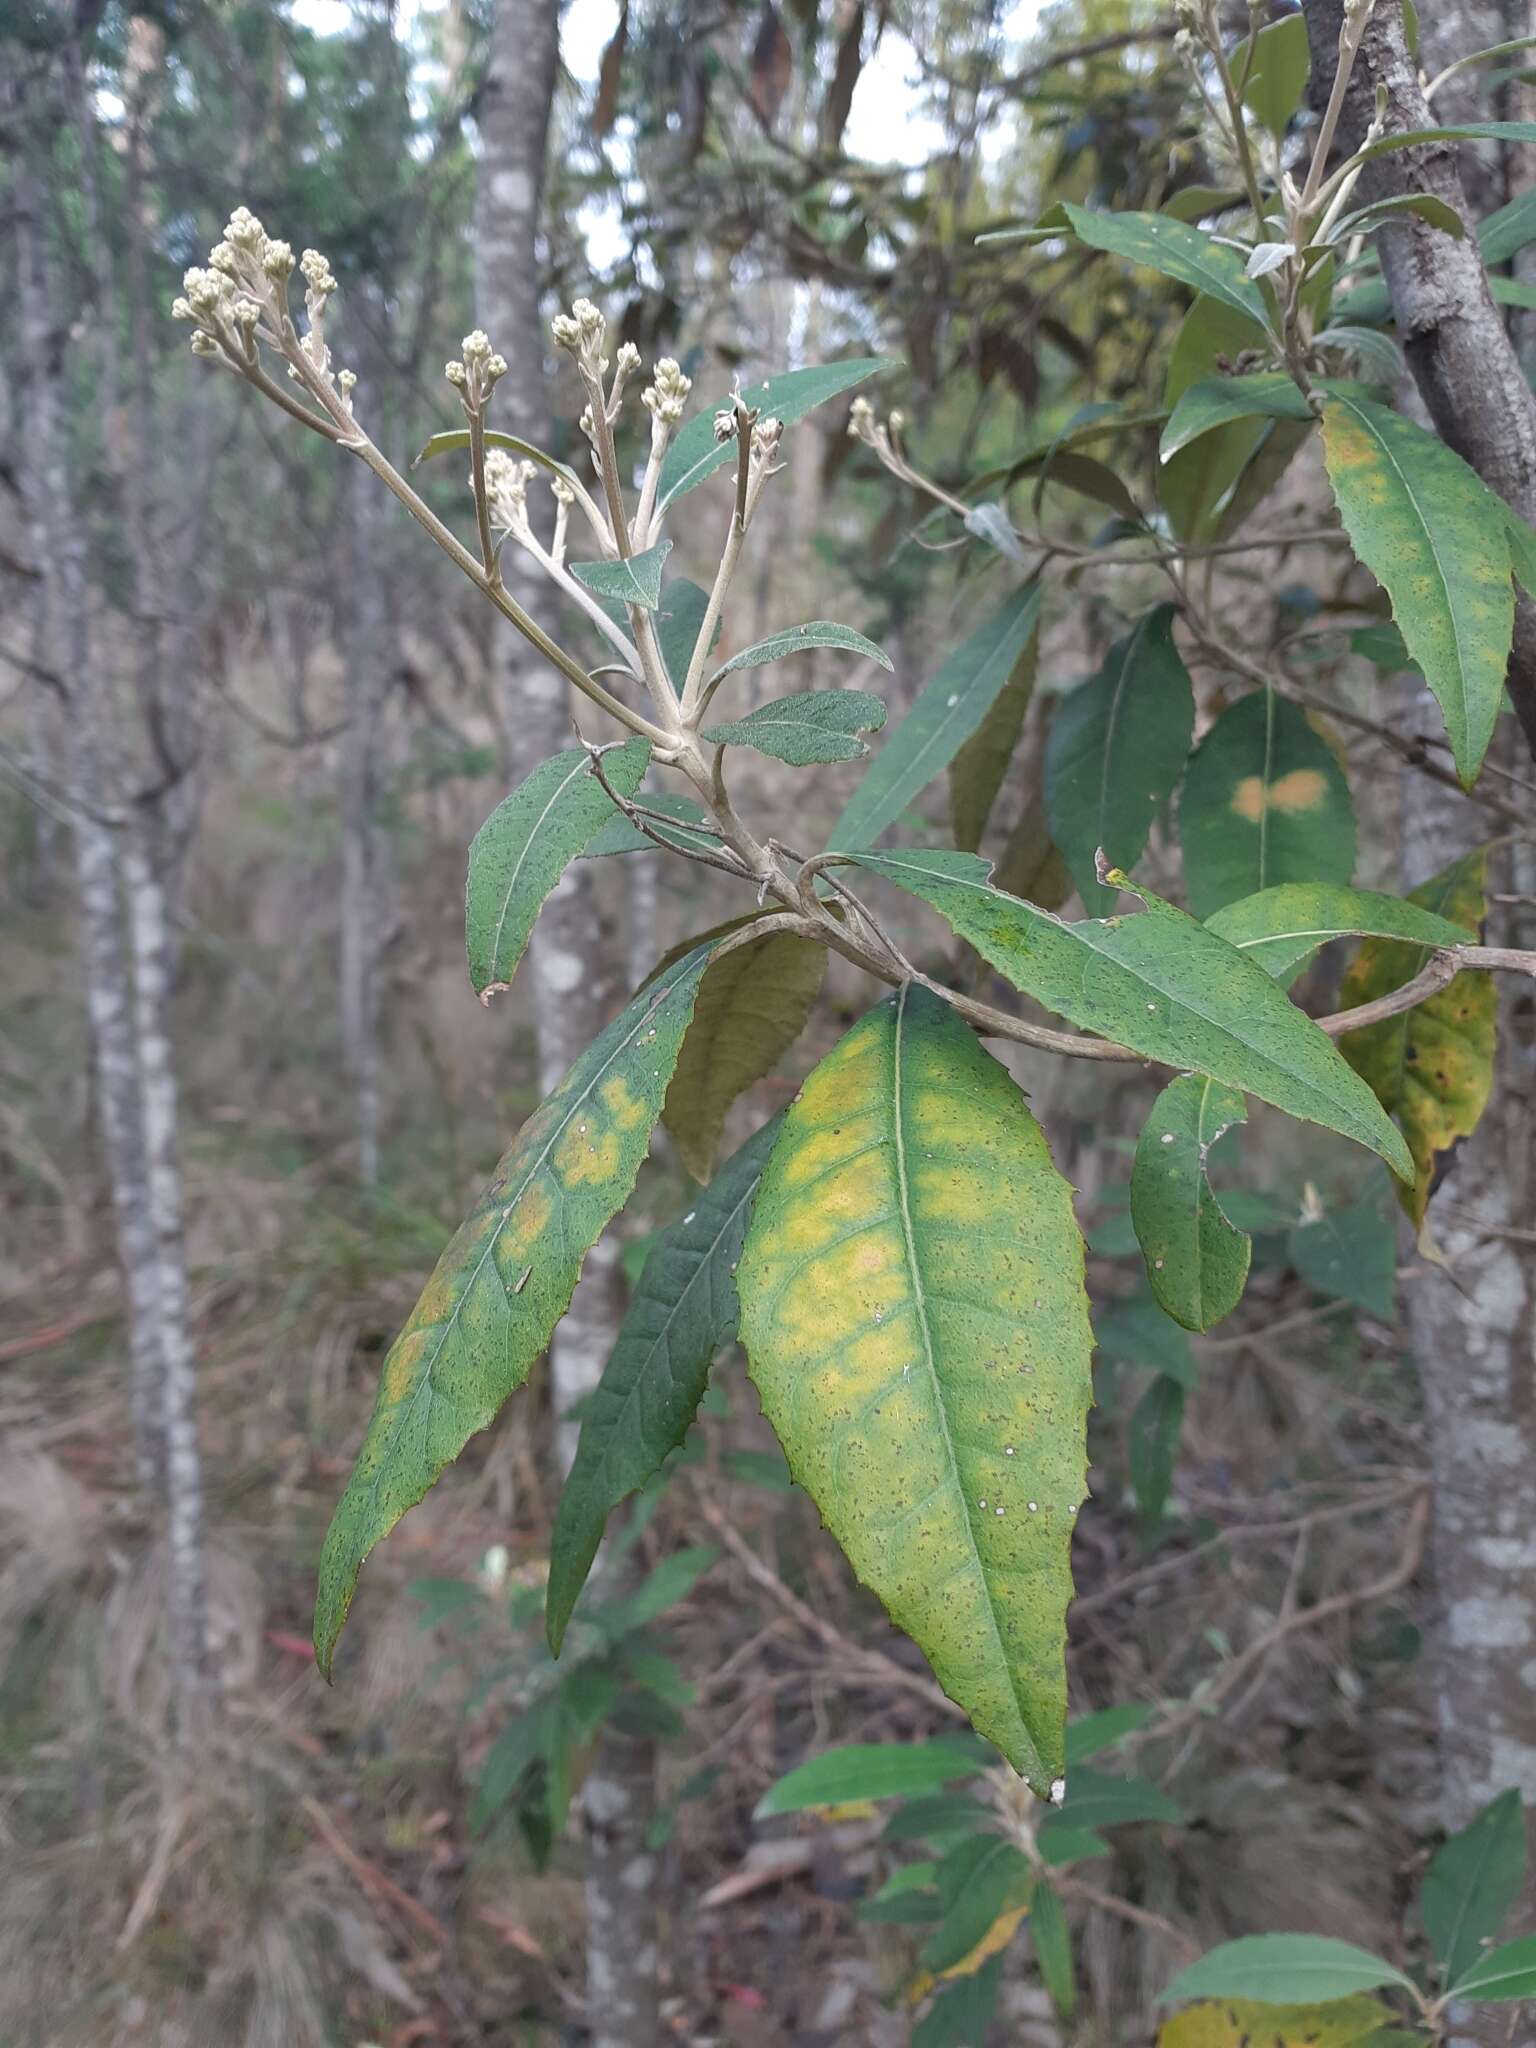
pixel 571 981
pixel 1473 1321
pixel 1461 357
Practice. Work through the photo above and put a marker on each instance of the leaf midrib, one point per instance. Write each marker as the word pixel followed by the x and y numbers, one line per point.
pixel 578 768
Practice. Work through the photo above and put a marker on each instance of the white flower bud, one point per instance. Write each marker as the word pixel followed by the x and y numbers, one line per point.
pixel 861 420
pixel 628 359
pixel 245 313
pixel 226 257
pixel 725 423
pixel 585 423
pixel 346 381
pixel 317 273
pixel 563 494
pixel 565 331
pixel 181 309
pixel 495 369
pixel 203 343
pixel 456 374
pixel 766 436
pixel 245 230
pixel 476 346
pixel 588 318
pixel 206 290
pixel 278 260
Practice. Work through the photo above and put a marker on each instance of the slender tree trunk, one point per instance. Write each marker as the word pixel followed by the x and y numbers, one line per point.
pixel 195 1684
pixel 572 984
pixel 64 643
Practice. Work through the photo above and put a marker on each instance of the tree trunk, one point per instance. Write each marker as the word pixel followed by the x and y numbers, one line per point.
pixel 1473 1322
pixel 571 982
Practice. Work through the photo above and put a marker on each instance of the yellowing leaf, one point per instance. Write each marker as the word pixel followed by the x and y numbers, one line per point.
pixel 1241 2023
pixel 992 1943
pixel 1431 1068
pixel 506 1278
pixel 751 1008
pixel 913 1310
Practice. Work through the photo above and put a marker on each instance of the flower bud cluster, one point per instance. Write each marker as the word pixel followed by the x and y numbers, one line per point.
pixel 667 393
pixel 480 371
pixel 241 299
pixel 506 491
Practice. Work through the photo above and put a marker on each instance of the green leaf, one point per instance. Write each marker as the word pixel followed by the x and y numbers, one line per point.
pixel 1471 131
pixel 1240 2023
pixel 636 579
pixel 1197 1263
pixel 1349 1253
pixel 1473 1880
pixel 1060 1846
pixel 1264 801
pixel 1433 534
pixel 977 771
pixel 1278 76
pixel 506 1278
pixel 816 725
pixel 914 1318
pixel 979 1881
pixel 1156 1428
pixel 789 396
pixel 685 831
pixel 801 640
pixel 1141 1335
pixel 751 1008
pixel 1194 485
pixel 1159 983
pixel 456 441
pixel 1214 401
pixel 1053 1949
pixel 869 1770
pixel 961 2014
pixel 1280 928
pixel 1432 1067
pixel 938 1817
pixel 679 622
pixel 1173 248
pixel 1381 212
pixel 1284 1969
pixel 684 1309
pixel 522 849
pixel 1117 747
pixel 1509 1972
pixel 1097 1799
pixel 1512 228
pixel 947 711
pixel 1091 1734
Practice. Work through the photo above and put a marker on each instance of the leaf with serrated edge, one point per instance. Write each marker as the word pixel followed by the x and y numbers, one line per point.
pixel 1117 748
pixel 815 726
pixel 522 849
pixel 506 1278
pixel 684 1310
pixel 1159 983
pixel 788 396
pixel 751 1008
pixel 1432 1067
pixel 1264 801
pixel 1435 537
pixel 947 711
pixel 915 1321
pixel 1197 1263
pixel 1280 928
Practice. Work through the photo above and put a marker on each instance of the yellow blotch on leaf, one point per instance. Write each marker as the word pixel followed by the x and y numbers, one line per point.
pixel 1302 790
